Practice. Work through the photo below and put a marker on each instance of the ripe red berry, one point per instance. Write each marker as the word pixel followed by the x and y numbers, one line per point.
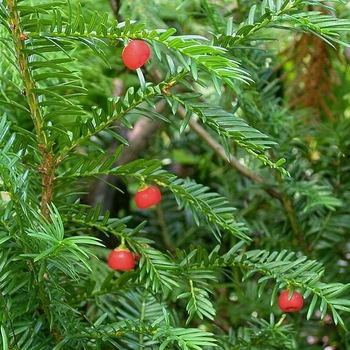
pixel 136 54
pixel 121 259
pixel 293 304
pixel 146 197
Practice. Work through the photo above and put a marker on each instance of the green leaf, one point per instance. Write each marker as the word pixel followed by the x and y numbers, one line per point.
pixel 4 337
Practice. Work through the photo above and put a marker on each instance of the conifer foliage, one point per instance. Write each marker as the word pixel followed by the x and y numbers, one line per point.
pixel 252 191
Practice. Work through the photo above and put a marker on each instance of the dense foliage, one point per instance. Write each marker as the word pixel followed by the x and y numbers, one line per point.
pixel 241 118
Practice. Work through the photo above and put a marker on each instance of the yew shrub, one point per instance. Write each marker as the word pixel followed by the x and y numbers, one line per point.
pixel 239 114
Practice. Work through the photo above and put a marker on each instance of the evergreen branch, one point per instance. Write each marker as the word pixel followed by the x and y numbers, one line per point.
pixel 117 109
pixel 228 126
pixel 300 272
pixel 91 166
pixel 91 218
pixel 220 150
pixel 116 330
pixel 212 59
pixel 48 234
pixel 25 72
pixel 47 166
pixel 19 212
pixel 272 13
pixel 157 271
pixel 47 297
pixel 199 280
pixel 186 338
pixel 198 299
pixel 287 270
pixel 189 338
pixel 261 333
pixel 206 55
pixel 216 209
pixel 326 27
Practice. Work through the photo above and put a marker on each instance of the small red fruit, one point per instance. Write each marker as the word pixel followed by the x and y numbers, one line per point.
pixel 122 259
pixel 146 197
pixel 136 54
pixel 292 304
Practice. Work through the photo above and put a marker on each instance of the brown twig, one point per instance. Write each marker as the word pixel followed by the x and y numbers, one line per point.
pixel 115 5
pixel 47 171
pixel 47 166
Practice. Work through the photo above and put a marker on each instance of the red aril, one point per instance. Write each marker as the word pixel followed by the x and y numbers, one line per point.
pixel 122 259
pixel 136 54
pixel 292 304
pixel 148 196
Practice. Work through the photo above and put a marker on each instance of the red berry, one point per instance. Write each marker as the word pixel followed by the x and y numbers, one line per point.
pixel 121 259
pixel 136 54
pixel 147 197
pixel 293 304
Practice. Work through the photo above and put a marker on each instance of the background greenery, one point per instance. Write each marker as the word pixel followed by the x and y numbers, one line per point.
pixel 241 117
